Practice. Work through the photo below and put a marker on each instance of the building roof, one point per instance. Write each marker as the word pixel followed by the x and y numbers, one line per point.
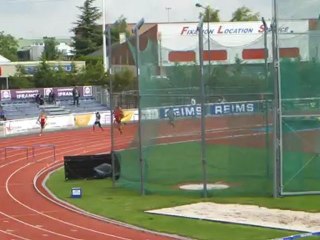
pixel 4 60
pixel 26 43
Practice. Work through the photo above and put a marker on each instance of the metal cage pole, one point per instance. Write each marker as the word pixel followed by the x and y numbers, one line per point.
pixel 203 111
pixel 265 44
pixel 207 11
pixel 109 51
pixel 266 76
pixel 104 35
pixel 209 47
pixel 277 129
pixel 136 32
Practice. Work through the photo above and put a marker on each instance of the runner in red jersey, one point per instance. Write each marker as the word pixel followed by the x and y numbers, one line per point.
pixel 118 116
pixel 42 120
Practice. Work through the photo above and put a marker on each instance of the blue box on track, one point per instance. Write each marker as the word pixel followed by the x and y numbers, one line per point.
pixel 76 192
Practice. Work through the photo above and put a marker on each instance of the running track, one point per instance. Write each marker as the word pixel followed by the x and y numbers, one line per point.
pixel 28 212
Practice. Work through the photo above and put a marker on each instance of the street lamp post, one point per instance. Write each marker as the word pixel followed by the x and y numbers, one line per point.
pixel 208 32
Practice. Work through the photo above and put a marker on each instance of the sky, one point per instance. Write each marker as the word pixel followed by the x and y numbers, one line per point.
pixel 54 18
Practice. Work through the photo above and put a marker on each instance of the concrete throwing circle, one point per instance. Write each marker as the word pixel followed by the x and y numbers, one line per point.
pixel 210 186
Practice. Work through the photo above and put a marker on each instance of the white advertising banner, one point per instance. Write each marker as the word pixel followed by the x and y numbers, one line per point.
pixel 79 120
pixel 88 119
pixel 2 127
pixel 148 114
pixel 17 126
pixel 230 36
pixel 13 127
pixel 63 121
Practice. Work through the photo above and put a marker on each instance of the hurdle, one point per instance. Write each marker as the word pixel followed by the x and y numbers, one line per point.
pixel 48 146
pixel 23 148
pixel 2 158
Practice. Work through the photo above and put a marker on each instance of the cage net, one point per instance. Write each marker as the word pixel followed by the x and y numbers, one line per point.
pixel 237 143
pixel 299 42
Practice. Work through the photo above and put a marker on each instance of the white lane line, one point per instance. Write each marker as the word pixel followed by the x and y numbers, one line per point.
pixel 14 235
pixel 73 149
pixel 104 145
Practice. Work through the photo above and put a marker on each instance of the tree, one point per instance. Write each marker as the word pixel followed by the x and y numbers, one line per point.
pixel 21 79
pixel 87 34
pixel 8 46
pixel 123 80
pixel 243 14
pixel 43 75
pixel 50 52
pixel 93 74
pixel 211 14
pixel 119 26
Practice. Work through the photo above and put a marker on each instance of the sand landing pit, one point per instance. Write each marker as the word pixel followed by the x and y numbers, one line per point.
pixel 247 215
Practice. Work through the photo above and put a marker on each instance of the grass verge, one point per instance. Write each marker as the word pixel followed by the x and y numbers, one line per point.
pixel 128 206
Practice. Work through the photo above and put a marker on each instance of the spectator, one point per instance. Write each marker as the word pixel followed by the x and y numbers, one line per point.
pixel 76 95
pixel 37 98
pixel 2 115
pixel 41 99
pixel 52 97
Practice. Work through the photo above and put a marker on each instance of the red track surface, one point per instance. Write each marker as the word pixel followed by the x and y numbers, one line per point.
pixel 26 214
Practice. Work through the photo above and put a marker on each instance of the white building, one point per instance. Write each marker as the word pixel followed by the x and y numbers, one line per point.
pixel 65 49
pixel 3 60
pixel 3 78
